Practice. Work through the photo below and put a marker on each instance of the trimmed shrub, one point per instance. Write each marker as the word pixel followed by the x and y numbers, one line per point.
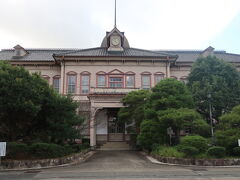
pixel 217 151
pixel 68 149
pixel 198 142
pixel 44 150
pixel 189 151
pixel 149 134
pixel 236 151
pixel 16 150
pixel 228 139
pixel 166 151
pixel 79 147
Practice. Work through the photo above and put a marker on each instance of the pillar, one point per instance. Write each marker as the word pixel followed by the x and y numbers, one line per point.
pixel 93 140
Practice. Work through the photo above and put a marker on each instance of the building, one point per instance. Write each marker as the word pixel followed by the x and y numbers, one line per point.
pixel 99 77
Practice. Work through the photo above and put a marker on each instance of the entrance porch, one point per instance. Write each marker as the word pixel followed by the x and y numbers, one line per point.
pixel 104 124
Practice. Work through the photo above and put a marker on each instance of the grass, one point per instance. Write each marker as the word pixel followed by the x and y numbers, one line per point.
pixel 166 151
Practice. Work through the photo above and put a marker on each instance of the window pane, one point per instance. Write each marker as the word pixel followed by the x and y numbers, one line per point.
pixel 56 84
pixel 146 82
pixel 115 79
pixel 130 81
pixel 101 81
pixel 85 80
pixel 71 83
pixel 158 78
pixel 116 85
pixel 116 82
pixel 85 84
pixel 85 89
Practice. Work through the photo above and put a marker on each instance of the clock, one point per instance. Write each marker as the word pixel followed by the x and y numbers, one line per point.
pixel 115 41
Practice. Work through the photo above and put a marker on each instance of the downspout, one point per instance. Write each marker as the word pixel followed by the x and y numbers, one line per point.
pixel 63 89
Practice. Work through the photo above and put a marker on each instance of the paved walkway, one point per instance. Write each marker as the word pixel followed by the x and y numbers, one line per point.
pixel 124 165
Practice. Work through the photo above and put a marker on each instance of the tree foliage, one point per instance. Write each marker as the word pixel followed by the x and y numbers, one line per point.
pixel 169 104
pixel 182 119
pixel 133 113
pixel 228 130
pixel 30 109
pixel 170 93
pixel 213 76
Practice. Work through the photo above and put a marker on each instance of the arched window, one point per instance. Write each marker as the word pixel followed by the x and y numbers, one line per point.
pixel 174 77
pixel 158 76
pixel 46 77
pixel 101 79
pixel 85 82
pixel 184 79
pixel 56 83
pixel 71 82
pixel 129 79
pixel 146 80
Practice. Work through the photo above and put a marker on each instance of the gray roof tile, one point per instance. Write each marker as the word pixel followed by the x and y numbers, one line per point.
pixel 33 54
pixel 191 55
pixel 128 52
pixel 47 54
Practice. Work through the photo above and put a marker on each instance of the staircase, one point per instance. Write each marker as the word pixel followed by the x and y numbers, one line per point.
pixel 115 146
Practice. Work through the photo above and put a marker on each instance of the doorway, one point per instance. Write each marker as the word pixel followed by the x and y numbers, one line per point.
pixel 116 128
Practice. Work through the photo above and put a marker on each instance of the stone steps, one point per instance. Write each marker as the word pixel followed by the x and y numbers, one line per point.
pixel 115 146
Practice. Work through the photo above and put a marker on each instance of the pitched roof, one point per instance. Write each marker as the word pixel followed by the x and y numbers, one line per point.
pixel 33 54
pixel 47 54
pixel 192 55
pixel 103 52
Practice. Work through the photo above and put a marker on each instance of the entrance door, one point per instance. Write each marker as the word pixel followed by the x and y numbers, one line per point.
pixel 116 129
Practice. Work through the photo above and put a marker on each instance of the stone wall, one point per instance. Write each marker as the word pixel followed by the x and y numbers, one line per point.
pixel 43 163
pixel 198 162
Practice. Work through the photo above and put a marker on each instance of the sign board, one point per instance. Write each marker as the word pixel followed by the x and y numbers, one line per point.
pixel 239 142
pixel 2 149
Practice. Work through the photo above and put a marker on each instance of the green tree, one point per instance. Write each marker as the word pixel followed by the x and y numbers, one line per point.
pixel 30 109
pixel 181 119
pixel 170 104
pixel 217 78
pixel 170 93
pixel 133 112
pixel 150 134
pixel 228 130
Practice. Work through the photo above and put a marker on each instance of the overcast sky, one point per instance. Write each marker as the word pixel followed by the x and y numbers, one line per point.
pixel 148 24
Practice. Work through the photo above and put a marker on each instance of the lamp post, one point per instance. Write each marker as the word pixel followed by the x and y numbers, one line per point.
pixel 210 117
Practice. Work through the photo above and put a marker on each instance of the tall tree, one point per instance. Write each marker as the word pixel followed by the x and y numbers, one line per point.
pixel 170 104
pixel 30 109
pixel 133 113
pixel 168 93
pixel 214 81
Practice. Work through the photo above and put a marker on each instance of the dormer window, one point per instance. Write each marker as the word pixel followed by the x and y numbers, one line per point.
pixel 19 51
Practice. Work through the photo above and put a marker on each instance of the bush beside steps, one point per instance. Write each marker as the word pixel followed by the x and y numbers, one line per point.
pixel 19 151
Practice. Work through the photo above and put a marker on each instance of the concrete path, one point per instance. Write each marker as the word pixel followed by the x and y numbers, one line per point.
pixel 124 165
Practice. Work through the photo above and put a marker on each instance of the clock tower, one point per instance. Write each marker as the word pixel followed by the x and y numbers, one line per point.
pixel 115 41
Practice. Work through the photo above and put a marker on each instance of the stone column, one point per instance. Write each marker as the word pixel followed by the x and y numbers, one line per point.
pixel 62 78
pixel 93 139
pixel 168 70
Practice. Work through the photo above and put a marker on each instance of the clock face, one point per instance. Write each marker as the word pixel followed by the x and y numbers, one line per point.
pixel 115 41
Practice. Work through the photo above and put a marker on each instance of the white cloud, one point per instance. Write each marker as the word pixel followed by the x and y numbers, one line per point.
pixel 151 24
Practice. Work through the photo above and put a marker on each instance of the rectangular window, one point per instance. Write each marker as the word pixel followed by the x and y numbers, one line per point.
pixel 56 84
pixel 146 82
pixel 101 81
pixel 72 79
pixel 130 81
pixel 116 82
pixel 158 78
pixel 85 84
